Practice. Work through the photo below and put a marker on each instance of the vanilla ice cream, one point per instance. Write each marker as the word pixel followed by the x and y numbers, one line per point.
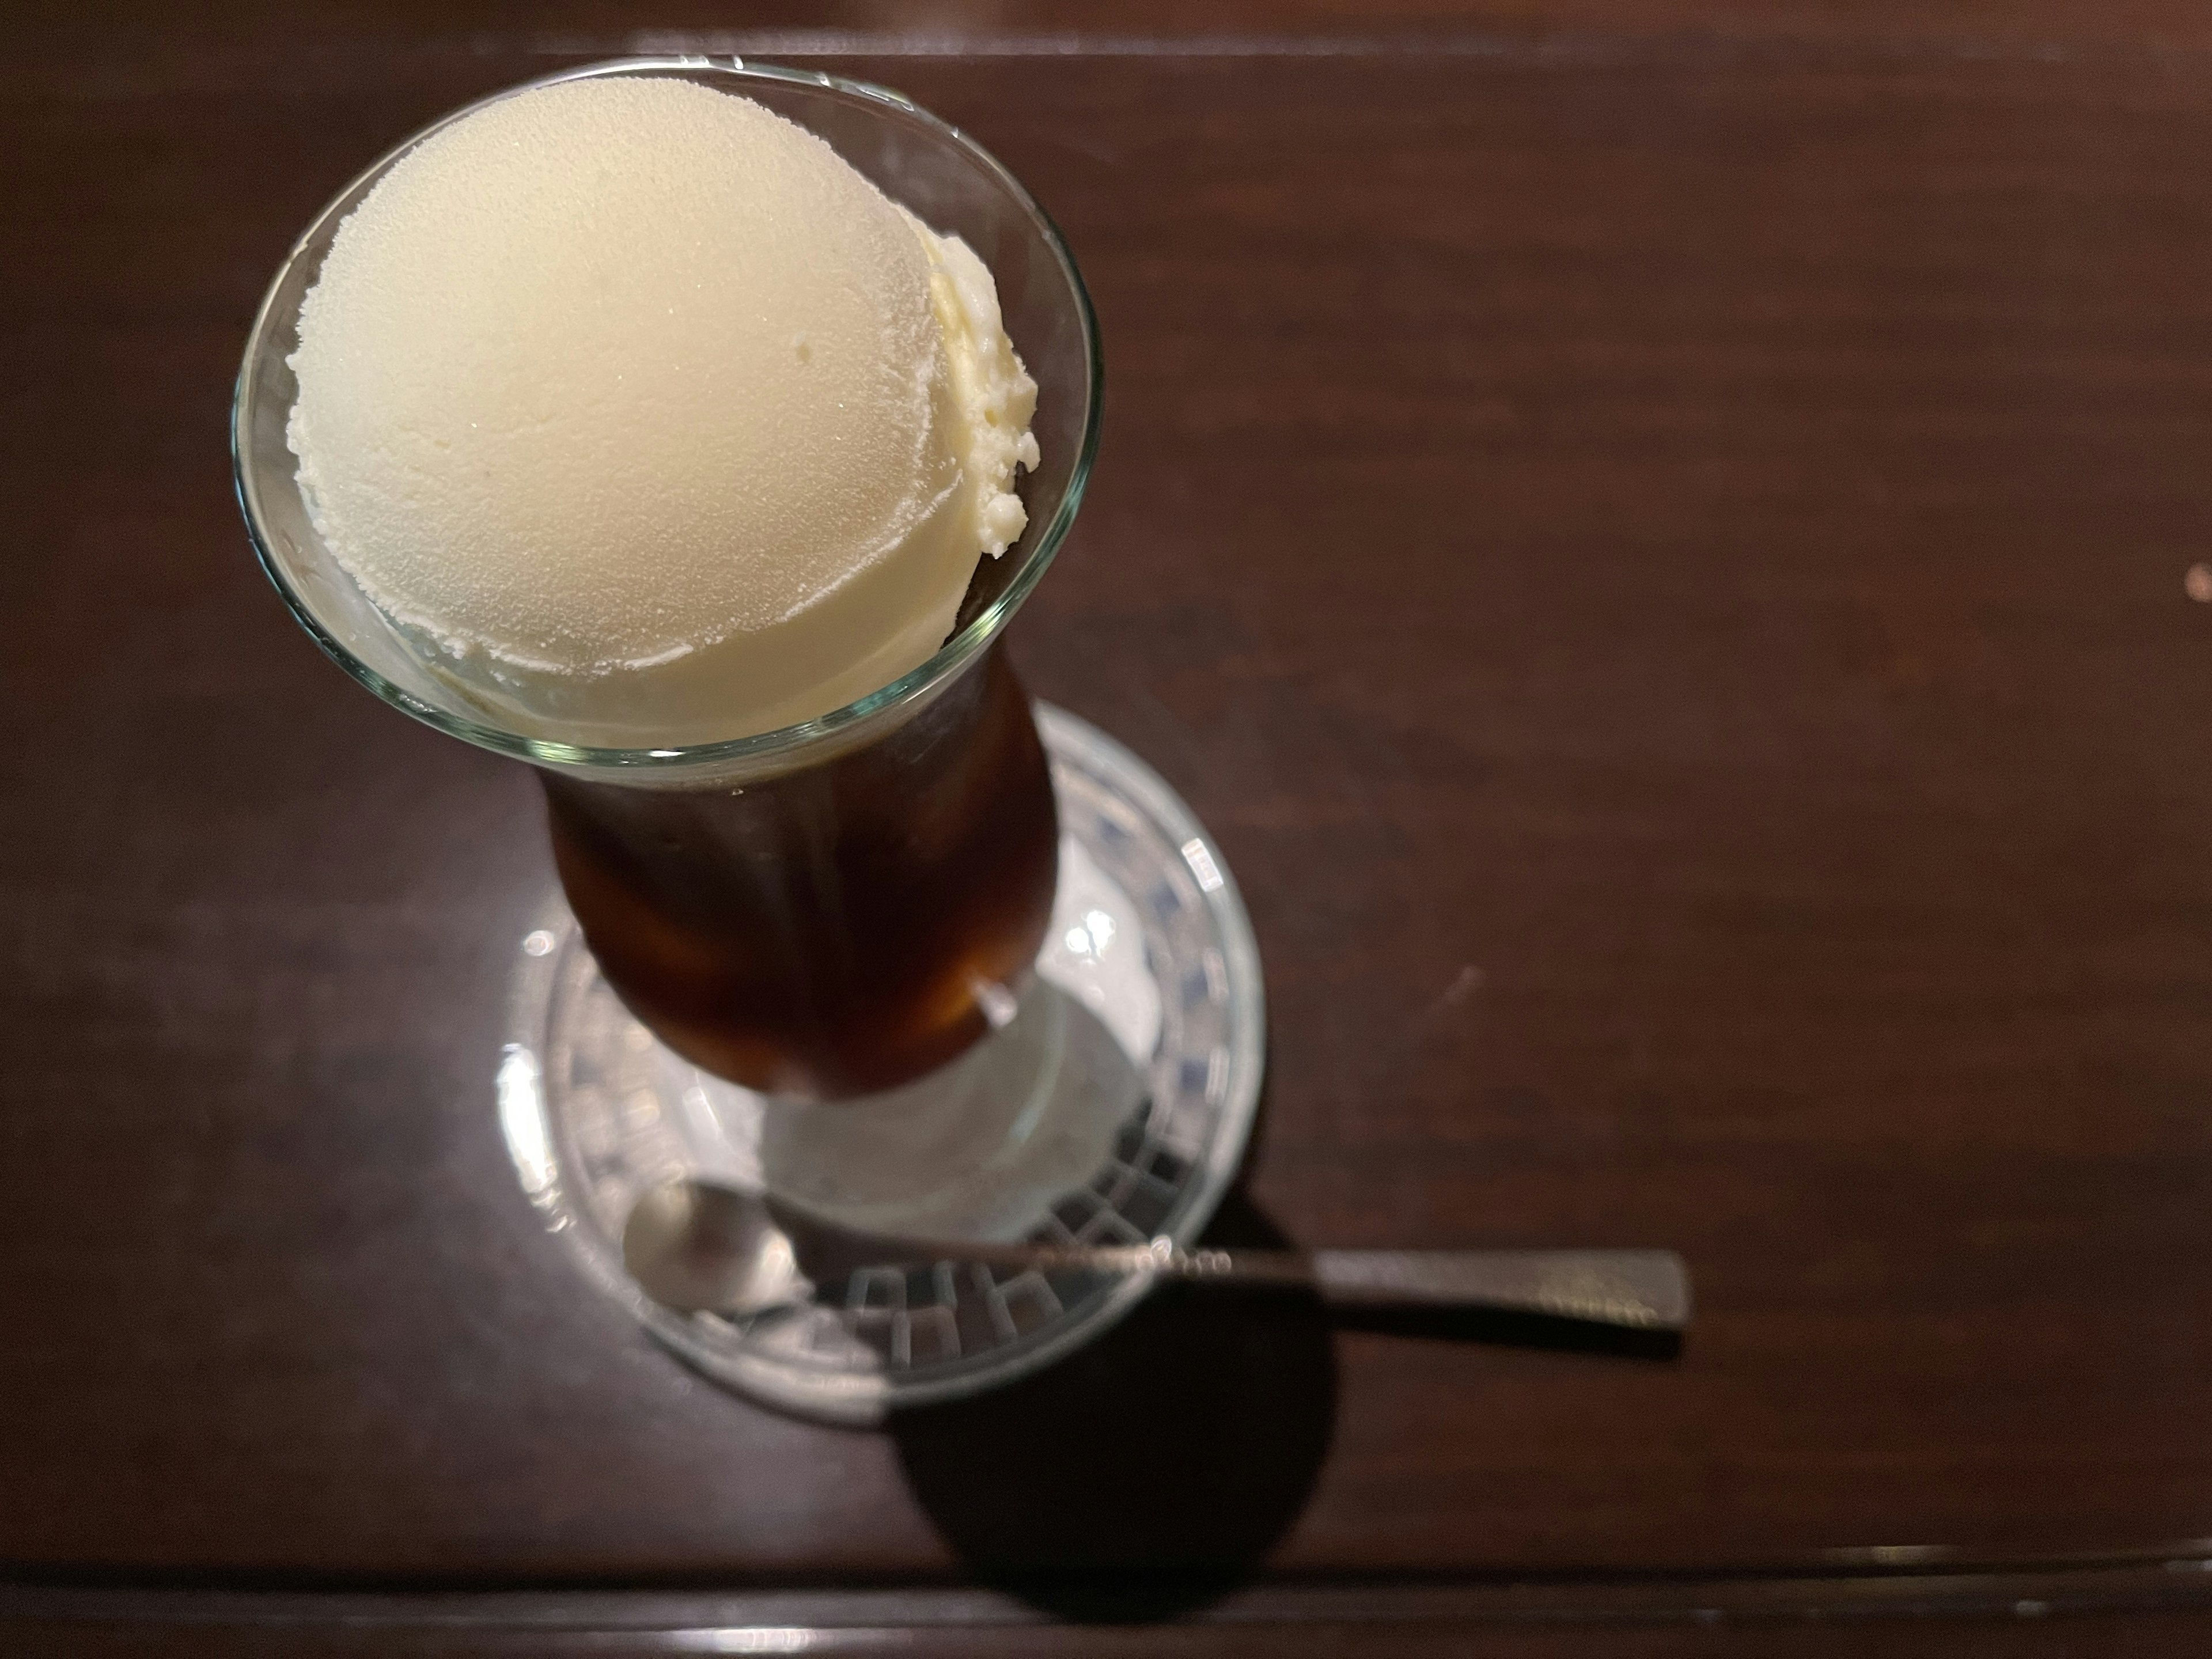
pixel 650 420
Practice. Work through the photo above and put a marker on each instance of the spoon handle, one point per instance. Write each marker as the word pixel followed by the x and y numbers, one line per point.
pixel 1640 1289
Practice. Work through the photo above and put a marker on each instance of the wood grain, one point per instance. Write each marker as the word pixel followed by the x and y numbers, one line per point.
pixel 1660 561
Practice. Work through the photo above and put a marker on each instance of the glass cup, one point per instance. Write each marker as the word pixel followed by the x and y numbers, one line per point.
pixel 935 963
pixel 836 908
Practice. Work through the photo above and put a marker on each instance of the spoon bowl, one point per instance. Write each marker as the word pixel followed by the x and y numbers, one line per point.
pixel 698 1247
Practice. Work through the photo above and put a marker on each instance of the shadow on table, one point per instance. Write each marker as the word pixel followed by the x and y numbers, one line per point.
pixel 1150 1473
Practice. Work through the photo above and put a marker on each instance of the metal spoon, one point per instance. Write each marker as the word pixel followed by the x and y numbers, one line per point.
pixel 699 1247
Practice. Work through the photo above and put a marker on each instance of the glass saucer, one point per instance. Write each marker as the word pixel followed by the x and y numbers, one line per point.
pixel 1111 1106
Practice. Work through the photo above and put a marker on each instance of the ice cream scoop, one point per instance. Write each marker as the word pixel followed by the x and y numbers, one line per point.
pixel 650 420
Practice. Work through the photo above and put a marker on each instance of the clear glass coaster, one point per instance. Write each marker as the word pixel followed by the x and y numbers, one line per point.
pixel 1111 1106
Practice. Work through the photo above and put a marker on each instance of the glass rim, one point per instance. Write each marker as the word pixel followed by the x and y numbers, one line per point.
pixel 948 659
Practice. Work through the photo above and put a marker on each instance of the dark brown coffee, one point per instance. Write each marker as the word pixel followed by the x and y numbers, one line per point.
pixel 835 930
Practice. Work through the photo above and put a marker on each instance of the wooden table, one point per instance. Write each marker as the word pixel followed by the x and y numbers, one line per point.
pixel 1670 548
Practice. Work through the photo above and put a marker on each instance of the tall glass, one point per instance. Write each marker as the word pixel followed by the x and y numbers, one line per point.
pixel 840 907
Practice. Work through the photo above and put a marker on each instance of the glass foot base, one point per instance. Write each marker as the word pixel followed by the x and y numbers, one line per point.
pixel 1111 1107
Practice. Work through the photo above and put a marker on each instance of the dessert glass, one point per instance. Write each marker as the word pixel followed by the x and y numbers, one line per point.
pixel 809 960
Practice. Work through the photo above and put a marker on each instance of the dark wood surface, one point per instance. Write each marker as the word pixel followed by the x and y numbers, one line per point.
pixel 1661 557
